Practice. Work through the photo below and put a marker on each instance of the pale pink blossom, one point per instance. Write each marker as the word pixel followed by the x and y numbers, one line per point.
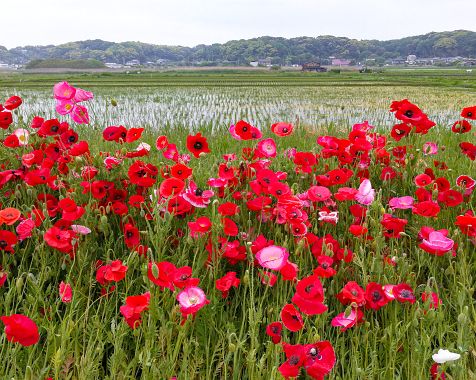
pixel 365 194
pixel 402 203
pixel 82 230
pixel 272 257
pixel 22 135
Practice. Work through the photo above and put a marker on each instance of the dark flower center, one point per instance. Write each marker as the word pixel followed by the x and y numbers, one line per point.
pixel 354 293
pixel 129 234
pixel 285 130
pixel 71 139
pixel 54 128
pixel 376 296
pixel 405 294
pixel 324 266
pixel 408 113
pixel 3 244
pixel 275 330
pixel 245 129
pixel 293 360
pixel 470 114
pixel 198 192
pixel 309 288
pixel 198 145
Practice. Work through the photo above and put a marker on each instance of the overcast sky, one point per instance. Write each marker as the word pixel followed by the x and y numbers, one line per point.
pixel 192 22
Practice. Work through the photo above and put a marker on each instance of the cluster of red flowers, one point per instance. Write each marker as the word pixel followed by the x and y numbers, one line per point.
pixel 72 183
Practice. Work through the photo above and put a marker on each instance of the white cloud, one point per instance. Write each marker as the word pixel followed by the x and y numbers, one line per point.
pixel 190 22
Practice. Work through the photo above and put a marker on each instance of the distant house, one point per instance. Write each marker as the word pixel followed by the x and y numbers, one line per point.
pixel 313 66
pixel 265 62
pixel 133 62
pixel 254 63
pixel 341 62
pixel 411 59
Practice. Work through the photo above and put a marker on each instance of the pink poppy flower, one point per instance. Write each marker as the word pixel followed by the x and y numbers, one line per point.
pixel 346 321
pixel 63 91
pixel 79 114
pixel 82 230
pixel 66 293
pixel 365 195
pixel 401 203
pixel 430 148
pixel 272 257
pixel 191 300
pixel 329 217
pixel 267 148
pixel 437 243
pixel 25 228
pixel 197 197
pixel 318 193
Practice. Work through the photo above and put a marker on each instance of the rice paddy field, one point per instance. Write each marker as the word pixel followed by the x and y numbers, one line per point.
pixel 238 225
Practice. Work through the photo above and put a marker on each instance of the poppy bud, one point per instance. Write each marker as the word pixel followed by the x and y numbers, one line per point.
pixel 113 102
pixel 231 347
pixel 103 220
pixel 19 284
pixel 155 270
pixel 462 319
pixel 246 278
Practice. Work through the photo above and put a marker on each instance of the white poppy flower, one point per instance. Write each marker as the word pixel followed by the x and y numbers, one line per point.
pixel 444 356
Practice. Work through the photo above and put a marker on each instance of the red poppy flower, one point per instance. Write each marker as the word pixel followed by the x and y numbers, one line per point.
pixel 9 216
pixel 162 274
pixel 469 113
pixel 197 145
pixel 20 329
pixel 423 180
pixel 319 359
pixel 142 174
pixel 404 293
pixel 428 209
pixel 182 278
pixel 230 228
pixel 275 331
pixel 406 111
pixel 393 226
pixel 171 187
pixel 351 293
pixel 309 296
pixel 12 102
pixel 432 298
pixel 7 241
pixel 291 318
pixel 180 171
pixel 52 127
pixel 461 126
pixel 375 296
pixel 295 355
pixel 318 193
pixel 400 130
pixel 60 239
pixel 114 133
pixel 131 236
pixel 468 149
pixel 133 134
pixel 244 130
pixel 11 141
pixel 133 309
pixel 451 198
pixel 5 119
pixel 225 283
pixel 115 271
pixel 282 129
pixel 324 268
pixel 228 209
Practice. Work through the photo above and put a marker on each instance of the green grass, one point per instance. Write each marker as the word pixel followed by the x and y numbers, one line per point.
pixel 88 338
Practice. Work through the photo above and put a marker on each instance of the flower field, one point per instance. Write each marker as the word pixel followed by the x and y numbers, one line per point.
pixel 252 232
